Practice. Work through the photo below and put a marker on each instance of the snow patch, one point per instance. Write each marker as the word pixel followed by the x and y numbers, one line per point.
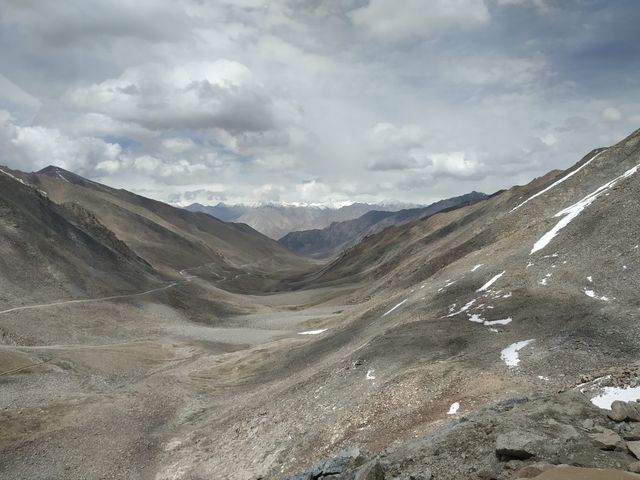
pixel 453 409
pixel 491 282
pixel 590 278
pixel 611 394
pixel 477 267
pixel 592 294
pixel 398 305
pixel 504 321
pixel 571 212
pixel 510 354
pixel 555 184
pixel 463 309
pixel 313 332
pixel 370 375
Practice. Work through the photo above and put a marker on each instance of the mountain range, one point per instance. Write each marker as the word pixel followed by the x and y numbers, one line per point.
pixel 275 221
pixel 331 240
pixel 494 339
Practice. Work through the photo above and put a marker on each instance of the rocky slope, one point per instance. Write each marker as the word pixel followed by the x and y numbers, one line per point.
pixel 331 240
pixel 275 221
pixel 485 342
pixel 52 251
pixel 169 238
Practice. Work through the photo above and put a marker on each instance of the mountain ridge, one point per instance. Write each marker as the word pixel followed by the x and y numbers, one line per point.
pixel 327 242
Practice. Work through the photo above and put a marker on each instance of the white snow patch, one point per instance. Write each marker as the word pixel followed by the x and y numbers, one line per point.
pixel 463 309
pixel 477 267
pixel 592 294
pixel 546 379
pixel 504 321
pixel 610 394
pixel 494 330
pixel 313 332
pixel 590 278
pixel 530 264
pixel 476 318
pixel 398 305
pixel 543 281
pixel 507 295
pixel 510 354
pixel 491 282
pixel 453 409
pixel 370 375
pixel 15 178
pixel 571 212
pixel 555 184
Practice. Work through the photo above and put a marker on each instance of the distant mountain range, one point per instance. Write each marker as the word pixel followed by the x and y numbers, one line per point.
pixel 275 221
pixel 323 243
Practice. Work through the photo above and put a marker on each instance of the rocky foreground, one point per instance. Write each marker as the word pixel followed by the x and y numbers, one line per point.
pixel 560 436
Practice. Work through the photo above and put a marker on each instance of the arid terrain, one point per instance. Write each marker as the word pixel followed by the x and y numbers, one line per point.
pixel 142 341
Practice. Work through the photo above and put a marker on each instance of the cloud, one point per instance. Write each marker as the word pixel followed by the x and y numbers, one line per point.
pixel 497 70
pixel 611 114
pixel 390 20
pixel 222 94
pixel 323 101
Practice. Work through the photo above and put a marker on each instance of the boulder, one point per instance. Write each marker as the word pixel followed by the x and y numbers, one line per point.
pixel 634 447
pixel 517 445
pixel 566 472
pixel 624 412
pixel 608 440
pixel 342 461
pixel 632 432
pixel 634 467
pixel 532 471
pixel 370 471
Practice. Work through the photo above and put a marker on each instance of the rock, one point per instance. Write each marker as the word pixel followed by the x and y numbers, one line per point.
pixel 588 424
pixel 517 445
pixel 634 467
pixel 532 471
pixel 608 440
pixel 632 432
pixel 342 461
pixel 634 447
pixel 624 412
pixel 370 471
pixel 566 472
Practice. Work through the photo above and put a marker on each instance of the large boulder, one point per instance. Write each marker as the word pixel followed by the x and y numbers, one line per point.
pixel 518 445
pixel 370 471
pixel 608 440
pixel 624 412
pixel 565 472
pixel 634 447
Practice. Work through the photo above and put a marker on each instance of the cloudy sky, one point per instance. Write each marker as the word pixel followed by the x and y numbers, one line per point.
pixel 315 101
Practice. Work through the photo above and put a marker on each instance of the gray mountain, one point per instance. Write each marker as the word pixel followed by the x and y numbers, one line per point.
pixel 487 341
pixel 275 221
pixel 331 240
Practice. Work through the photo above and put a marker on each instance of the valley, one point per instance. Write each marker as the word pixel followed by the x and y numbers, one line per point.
pixel 143 341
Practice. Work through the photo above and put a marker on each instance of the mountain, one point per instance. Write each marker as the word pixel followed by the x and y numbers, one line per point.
pixel 54 251
pixel 487 341
pixel 275 221
pixel 169 238
pixel 329 241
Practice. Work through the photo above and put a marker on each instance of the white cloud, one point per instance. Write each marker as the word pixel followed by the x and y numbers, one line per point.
pixel 392 20
pixel 198 95
pixel 611 114
pixel 495 69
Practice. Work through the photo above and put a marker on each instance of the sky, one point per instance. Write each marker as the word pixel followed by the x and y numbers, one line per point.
pixel 315 101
